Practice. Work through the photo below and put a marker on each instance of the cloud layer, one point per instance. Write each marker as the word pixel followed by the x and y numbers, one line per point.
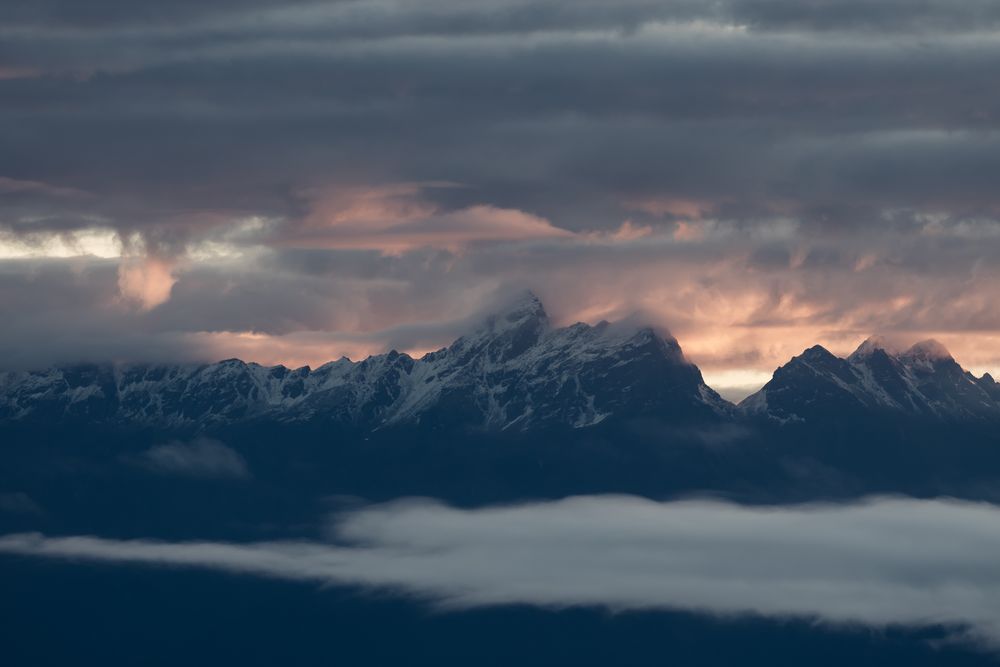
pixel 881 562
pixel 759 175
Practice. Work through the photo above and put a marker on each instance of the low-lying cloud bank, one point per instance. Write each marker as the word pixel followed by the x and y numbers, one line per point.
pixel 881 562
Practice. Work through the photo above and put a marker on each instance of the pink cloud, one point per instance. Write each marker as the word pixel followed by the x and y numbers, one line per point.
pixel 397 218
pixel 7 73
pixel 292 350
pixel 147 282
pixel 14 186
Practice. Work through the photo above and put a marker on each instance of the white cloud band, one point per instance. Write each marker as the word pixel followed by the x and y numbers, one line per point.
pixel 881 562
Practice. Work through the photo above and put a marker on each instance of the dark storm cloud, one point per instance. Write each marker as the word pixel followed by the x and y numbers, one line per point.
pixel 738 119
pixel 101 13
pixel 363 174
pixel 395 17
pixel 883 15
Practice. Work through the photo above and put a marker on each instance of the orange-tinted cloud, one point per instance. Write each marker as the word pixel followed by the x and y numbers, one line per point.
pixel 307 348
pixel 145 282
pixel 396 218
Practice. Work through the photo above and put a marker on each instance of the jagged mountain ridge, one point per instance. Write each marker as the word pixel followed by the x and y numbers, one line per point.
pixel 514 372
pixel 923 381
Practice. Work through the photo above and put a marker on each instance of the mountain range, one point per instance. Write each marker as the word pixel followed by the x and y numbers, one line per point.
pixel 516 409
pixel 515 372
pixel 923 381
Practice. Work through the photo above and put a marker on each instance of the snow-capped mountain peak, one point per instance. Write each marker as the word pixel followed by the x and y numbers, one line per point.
pixel 923 380
pixel 525 308
pixel 505 333
pixel 874 344
pixel 513 371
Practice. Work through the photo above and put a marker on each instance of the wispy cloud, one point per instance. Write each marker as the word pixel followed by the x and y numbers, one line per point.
pixel 202 457
pixel 881 562
pixel 396 218
pixel 19 503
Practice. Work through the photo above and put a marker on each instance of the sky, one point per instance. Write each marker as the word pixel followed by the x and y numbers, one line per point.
pixel 289 182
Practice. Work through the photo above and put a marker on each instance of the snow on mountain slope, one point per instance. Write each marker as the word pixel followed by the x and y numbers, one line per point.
pixel 923 380
pixel 515 371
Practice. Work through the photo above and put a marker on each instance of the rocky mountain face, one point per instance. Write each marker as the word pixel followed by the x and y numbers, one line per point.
pixel 514 372
pixel 923 381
